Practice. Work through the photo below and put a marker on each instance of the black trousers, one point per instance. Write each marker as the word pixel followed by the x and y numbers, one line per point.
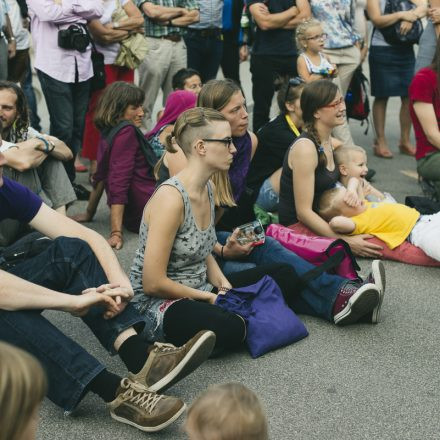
pixel 265 69
pixel 186 317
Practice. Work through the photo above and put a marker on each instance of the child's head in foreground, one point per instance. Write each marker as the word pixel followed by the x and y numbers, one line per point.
pixel 352 161
pixel 22 388
pixel 331 204
pixel 227 412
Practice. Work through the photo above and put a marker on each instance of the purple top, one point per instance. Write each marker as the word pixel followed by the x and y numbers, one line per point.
pixel 47 18
pixel 177 102
pixel 126 177
pixel 240 165
pixel 18 202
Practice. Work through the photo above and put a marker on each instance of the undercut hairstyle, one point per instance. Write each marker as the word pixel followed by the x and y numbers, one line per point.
pixel 315 96
pixel 179 78
pixel 301 31
pixel 193 124
pixel 327 208
pixel 217 93
pixel 343 155
pixel 288 93
pixel 20 126
pixel 114 101
pixel 23 386
pixel 227 412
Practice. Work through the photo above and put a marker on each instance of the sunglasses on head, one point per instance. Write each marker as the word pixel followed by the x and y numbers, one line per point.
pixel 293 82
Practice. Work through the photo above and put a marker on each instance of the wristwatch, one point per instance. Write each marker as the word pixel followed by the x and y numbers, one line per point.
pixel 115 25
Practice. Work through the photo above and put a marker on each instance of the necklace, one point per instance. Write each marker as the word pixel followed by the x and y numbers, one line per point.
pixel 292 125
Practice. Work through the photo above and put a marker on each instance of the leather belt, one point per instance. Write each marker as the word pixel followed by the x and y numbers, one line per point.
pixel 172 37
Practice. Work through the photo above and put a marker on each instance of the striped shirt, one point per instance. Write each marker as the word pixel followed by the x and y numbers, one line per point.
pixel 211 15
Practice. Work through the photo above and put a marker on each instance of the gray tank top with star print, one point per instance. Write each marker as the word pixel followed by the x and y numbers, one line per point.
pixel 191 246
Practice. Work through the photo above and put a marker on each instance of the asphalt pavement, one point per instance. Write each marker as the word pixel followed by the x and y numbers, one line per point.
pixel 359 382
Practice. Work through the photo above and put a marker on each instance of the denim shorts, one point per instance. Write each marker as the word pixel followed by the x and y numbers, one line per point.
pixel 267 198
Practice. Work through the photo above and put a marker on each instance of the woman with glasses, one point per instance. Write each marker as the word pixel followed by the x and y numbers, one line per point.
pixel 391 71
pixel 309 167
pixel 175 276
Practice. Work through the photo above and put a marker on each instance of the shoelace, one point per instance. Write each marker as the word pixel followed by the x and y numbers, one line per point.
pixel 348 289
pixel 162 346
pixel 140 396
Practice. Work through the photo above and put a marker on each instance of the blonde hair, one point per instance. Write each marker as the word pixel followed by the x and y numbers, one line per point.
pixel 22 388
pixel 227 412
pixel 301 32
pixel 193 124
pixel 327 207
pixel 343 154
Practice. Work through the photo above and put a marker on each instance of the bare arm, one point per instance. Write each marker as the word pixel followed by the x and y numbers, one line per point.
pixel 426 116
pixel 215 275
pixel 12 44
pixel 104 34
pixel 161 13
pixel 53 224
pixel 304 12
pixel 254 141
pixel 134 18
pixel 116 214
pixel 189 17
pixel 164 214
pixel 267 21
pixel 303 71
pixel 92 205
pixel 60 150
pixel 342 225
pixel 28 155
pixel 380 21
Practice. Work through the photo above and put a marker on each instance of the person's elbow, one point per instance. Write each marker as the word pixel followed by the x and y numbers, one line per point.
pixel 433 137
pixel 152 285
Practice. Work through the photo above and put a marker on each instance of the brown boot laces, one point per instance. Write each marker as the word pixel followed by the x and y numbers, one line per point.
pixel 139 395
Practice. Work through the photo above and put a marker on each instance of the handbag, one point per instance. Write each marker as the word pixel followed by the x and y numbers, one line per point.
pixel 134 48
pixel 270 322
pixel 392 33
pixel 98 80
pixel 329 254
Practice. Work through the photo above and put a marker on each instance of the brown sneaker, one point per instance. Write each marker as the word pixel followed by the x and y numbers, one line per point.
pixel 168 364
pixel 147 411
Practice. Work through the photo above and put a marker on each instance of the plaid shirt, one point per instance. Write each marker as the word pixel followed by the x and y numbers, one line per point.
pixel 153 29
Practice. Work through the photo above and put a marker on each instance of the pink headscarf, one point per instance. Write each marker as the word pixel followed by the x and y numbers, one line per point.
pixel 177 102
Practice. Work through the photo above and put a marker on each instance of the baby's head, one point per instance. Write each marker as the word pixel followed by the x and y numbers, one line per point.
pixel 331 204
pixel 227 412
pixel 352 161
pixel 309 35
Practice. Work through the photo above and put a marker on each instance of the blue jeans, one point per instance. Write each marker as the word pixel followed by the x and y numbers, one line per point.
pixel 204 53
pixel 67 104
pixel 316 299
pixel 267 198
pixel 70 266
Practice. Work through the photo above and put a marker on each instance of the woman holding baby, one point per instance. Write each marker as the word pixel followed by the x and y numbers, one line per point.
pixel 309 166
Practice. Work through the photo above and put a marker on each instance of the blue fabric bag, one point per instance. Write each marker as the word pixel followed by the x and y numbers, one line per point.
pixel 270 322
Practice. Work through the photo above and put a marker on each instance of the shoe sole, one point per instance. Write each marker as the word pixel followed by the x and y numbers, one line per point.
pixel 362 302
pixel 198 354
pixel 378 271
pixel 151 428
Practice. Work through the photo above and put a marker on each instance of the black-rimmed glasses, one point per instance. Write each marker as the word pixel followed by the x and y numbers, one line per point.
pixel 227 141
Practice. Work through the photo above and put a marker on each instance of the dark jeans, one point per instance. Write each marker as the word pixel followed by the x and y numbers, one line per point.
pixel 265 69
pixel 230 62
pixel 318 296
pixel 204 53
pixel 67 104
pixel 70 266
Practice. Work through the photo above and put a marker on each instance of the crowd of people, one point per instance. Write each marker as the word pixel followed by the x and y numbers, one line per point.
pixel 186 179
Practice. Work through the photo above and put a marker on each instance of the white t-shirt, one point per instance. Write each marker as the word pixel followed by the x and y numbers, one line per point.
pixel 110 51
pixel 22 36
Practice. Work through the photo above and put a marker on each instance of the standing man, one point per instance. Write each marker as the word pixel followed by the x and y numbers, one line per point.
pixel 64 65
pixel 164 23
pixel 274 52
pixel 204 40
pixel 7 40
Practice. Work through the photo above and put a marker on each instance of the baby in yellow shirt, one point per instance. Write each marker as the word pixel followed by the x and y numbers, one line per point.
pixel 348 212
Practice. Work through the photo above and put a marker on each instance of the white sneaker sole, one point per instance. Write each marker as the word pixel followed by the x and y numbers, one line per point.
pixel 198 354
pixel 378 271
pixel 151 428
pixel 364 300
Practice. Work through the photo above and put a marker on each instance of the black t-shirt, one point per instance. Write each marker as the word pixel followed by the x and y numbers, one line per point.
pixel 274 138
pixel 324 180
pixel 274 41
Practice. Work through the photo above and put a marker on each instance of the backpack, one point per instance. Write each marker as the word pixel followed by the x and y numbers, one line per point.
pixel 392 33
pixel 356 99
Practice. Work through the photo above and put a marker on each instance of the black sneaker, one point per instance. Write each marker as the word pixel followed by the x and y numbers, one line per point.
pixel 81 192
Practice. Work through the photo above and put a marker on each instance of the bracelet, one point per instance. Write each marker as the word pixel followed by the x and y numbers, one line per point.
pixel 11 39
pixel 46 144
pixel 53 146
pixel 221 252
pixel 223 289
pixel 116 232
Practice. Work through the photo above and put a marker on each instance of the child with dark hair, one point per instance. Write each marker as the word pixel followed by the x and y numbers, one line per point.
pixel 187 79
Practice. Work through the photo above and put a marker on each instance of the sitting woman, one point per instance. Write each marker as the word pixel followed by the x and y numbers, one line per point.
pixel 309 166
pixel 125 160
pixel 174 274
pixel 33 159
pixel 424 95
pixel 274 138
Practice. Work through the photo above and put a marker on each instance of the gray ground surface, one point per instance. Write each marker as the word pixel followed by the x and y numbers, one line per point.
pixel 361 382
